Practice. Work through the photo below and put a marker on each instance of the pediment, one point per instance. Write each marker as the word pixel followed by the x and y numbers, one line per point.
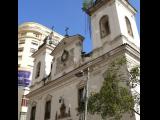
pixel 66 42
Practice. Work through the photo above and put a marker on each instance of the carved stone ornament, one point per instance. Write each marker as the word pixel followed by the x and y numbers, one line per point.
pixel 63 113
pixel 65 61
pixel 65 56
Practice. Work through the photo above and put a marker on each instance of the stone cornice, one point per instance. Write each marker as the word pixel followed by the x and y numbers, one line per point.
pixel 33 29
pixel 28 36
pixel 44 47
pixel 36 27
pixel 115 40
pixel 95 6
pixel 100 3
pixel 128 5
pixel 123 36
pixel 58 81
pixel 132 51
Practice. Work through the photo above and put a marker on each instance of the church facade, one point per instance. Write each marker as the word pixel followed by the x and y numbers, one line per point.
pixel 57 82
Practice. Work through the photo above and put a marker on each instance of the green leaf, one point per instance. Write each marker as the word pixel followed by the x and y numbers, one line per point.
pixel 112 100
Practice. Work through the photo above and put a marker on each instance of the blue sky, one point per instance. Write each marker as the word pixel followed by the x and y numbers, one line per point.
pixel 61 14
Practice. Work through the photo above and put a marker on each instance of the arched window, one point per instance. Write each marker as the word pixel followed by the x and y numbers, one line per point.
pixel 38 68
pixel 33 113
pixel 47 107
pixel 47 110
pixel 104 26
pixel 129 28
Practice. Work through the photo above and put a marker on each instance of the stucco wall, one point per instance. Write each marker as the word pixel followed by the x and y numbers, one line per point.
pixel 68 89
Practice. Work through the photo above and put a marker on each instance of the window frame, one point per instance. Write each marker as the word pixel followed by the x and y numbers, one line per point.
pixel 20 57
pixel 38 69
pixel 34 43
pixel 33 113
pixel 21 42
pixel 47 114
pixel 23 33
pixel 79 99
pixel 129 26
pixel 20 49
pixel 24 101
pixel 102 23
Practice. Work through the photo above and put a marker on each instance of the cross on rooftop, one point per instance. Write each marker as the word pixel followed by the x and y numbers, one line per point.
pixel 66 31
pixel 51 34
pixel 52 28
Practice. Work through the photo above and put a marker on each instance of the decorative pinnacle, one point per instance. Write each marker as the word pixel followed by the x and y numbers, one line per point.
pixel 51 34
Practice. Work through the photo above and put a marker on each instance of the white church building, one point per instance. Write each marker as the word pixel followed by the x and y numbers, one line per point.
pixel 56 88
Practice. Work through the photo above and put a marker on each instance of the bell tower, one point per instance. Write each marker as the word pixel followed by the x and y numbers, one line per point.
pixel 42 62
pixel 112 24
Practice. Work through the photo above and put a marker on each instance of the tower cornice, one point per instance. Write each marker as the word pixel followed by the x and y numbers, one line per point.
pixel 95 6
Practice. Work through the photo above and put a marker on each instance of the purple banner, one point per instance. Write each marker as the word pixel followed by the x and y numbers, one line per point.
pixel 23 78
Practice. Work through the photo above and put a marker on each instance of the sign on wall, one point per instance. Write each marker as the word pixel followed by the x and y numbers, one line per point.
pixel 23 78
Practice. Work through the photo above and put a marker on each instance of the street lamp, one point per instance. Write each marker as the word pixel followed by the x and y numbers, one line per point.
pixel 80 74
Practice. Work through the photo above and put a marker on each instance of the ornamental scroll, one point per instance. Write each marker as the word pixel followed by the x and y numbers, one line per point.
pixel 64 113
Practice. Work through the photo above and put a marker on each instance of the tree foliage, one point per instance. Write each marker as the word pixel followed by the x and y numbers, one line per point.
pixel 134 85
pixel 113 99
pixel 87 3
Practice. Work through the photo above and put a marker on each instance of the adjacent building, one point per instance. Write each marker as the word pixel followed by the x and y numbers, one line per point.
pixel 30 37
pixel 57 84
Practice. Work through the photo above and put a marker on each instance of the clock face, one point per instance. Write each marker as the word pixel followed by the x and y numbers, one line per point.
pixel 64 56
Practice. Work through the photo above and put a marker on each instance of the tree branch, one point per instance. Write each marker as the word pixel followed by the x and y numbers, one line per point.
pixel 135 111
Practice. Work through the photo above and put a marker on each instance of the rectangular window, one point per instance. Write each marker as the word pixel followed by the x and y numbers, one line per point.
pixel 22 42
pixel 33 113
pixel 38 68
pixel 24 102
pixel 23 34
pixel 47 110
pixel 19 58
pixel 36 34
pixel 34 43
pixel 20 49
pixel 81 98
